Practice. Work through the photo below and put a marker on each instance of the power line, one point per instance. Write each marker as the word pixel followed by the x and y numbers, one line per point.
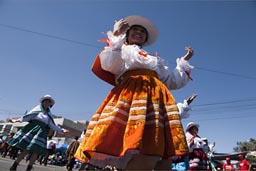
pixel 233 106
pixel 90 45
pixel 48 35
pixel 223 118
pixel 226 102
pixel 226 73
pixel 199 110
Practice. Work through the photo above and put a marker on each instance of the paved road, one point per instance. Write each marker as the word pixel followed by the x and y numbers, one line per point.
pixel 5 164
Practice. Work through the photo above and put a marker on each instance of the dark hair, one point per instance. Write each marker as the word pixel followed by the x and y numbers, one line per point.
pixel 76 137
pixel 50 105
pixel 128 32
pixel 194 127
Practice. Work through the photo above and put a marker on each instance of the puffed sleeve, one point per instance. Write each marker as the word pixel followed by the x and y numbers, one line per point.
pixel 184 109
pixel 177 78
pixel 110 57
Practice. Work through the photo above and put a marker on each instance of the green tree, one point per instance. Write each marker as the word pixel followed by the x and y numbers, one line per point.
pixel 247 146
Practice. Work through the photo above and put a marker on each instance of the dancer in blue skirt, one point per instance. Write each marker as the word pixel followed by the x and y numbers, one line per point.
pixel 32 138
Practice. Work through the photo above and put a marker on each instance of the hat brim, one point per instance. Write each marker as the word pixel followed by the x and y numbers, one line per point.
pixel 196 125
pixel 47 98
pixel 148 25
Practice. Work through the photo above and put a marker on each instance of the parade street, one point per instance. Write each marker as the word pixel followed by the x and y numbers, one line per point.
pixel 6 163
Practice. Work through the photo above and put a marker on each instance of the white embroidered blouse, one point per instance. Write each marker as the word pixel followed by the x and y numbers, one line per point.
pixel 118 58
pixel 37 114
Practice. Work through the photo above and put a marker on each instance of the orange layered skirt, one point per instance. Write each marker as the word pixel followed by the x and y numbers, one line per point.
pixel 138 115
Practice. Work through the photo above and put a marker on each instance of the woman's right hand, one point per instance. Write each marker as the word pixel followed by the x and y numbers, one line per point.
pixel 120 27
pixel 191 98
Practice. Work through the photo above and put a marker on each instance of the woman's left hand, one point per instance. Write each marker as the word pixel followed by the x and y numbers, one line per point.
pixel 65 130
pixel 190 53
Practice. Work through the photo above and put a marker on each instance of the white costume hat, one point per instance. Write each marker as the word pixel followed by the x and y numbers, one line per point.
pixel 148 25
pixel 191 124
pixel 47 97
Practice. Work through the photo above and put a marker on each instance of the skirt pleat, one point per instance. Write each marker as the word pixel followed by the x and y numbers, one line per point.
pixel 139 115
pixel 32 137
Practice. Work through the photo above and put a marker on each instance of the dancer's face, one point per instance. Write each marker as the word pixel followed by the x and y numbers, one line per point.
pixel 46 104
pixel 194 130
pixel 137 35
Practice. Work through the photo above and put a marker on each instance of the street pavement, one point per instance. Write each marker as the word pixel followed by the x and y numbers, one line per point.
pixel 5 164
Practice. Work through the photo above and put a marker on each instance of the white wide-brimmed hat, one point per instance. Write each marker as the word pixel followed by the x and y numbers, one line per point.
pixel 47 97
pixel 191 124
pixel 148 25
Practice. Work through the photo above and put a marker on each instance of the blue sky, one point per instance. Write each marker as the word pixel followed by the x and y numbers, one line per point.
pixel 48 46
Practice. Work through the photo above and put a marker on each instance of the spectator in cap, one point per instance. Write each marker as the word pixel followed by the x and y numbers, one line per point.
pixel 228 166
pixel 32 137
pixel 137 116
pixel 243 164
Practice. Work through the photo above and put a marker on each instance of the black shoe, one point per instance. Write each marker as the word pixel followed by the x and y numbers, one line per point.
pixel 14 166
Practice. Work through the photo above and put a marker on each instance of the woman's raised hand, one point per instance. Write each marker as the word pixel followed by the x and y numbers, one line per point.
pixel 189 54
pixel 191 98
pixel 120 27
